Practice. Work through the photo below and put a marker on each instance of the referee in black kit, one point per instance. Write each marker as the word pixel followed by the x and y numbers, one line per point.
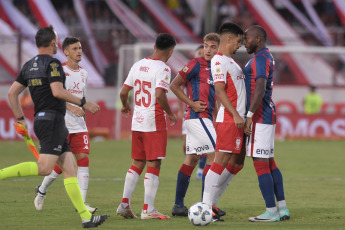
pixel 45 78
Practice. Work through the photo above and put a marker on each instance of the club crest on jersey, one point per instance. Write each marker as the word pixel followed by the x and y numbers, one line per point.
pixel 218 70
pixel 139 118
pixel 185 69
pixel 55 72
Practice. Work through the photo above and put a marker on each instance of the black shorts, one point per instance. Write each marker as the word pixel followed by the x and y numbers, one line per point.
pixel 51 131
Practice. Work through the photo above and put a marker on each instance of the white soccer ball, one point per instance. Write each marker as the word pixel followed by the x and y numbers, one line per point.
pixel 200 214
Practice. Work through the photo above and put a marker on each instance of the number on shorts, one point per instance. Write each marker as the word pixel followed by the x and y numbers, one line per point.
pixel 86 139
pixel 143 86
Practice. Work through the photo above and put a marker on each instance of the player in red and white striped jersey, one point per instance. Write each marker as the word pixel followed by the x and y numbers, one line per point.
pixel 230 90
pixel 150 80
pixel 78 138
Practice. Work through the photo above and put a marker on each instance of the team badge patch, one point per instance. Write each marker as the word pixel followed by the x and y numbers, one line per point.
pixel 218 70
pixel 185 69
pixel 55 72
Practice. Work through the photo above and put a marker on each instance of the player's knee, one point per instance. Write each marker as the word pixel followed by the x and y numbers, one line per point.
pixel 84 162
pixel 44 170
pixel 261 167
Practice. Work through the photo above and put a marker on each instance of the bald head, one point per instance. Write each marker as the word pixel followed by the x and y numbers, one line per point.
pixel 258 31
pixel 255 38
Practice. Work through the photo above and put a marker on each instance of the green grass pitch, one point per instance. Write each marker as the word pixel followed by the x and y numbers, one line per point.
pixel 313 171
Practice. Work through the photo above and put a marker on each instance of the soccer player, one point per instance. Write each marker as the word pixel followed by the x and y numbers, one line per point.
pixel 260 124
pixel 201 135
pixel 45 78
pixel 230 90
pixel 150 80
pixel 199 52
pixel 78 138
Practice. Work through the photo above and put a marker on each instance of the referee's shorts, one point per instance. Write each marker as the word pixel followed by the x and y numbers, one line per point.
pixel 51 131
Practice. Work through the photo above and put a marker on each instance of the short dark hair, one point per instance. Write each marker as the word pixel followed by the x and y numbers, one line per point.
pixel 69 41
pixel 44 36
pixel 165 41
pixel 229 27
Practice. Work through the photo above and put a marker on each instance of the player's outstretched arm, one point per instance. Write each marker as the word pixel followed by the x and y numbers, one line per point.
pixel 163 102
pixel 61 93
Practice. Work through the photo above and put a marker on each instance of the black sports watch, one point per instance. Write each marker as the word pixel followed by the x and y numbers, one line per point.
pixel 83 101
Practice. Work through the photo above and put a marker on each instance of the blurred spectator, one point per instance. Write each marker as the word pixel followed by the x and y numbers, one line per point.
pixel 312 101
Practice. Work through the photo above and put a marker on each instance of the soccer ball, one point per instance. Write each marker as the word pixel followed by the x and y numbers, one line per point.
pixel 200 214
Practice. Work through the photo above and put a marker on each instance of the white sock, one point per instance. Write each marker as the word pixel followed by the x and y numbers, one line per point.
pixel 151 183
pixel 223 182
pixel 281 204
pixel 273 209
pixel 210 187
pixel 47 181
pixel 83 180
pixel 131 181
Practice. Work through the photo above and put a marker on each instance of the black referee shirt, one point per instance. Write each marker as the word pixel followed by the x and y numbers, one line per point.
pixel 38 74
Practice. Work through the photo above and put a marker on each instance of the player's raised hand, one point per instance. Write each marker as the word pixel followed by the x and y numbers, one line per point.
pixel 91 107
pixel 199 106
pixel 238 120
pixel 172 118
pixel 77 111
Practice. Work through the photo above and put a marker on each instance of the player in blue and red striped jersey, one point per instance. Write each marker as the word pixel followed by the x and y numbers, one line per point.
pixel 201 135
pixel 260 124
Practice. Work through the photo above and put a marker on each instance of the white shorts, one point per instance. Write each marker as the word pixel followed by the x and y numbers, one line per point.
pixel 201 136
pixel 261 143
pixel 184 131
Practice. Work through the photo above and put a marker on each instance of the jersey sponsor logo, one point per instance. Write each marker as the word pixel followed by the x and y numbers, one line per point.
pixel 86 147
pixel 238 142
pixel 41 114
pixel 76 85
pixel 264 151
pixel 75 92
pixel 144 69
pixel 67 74
pixel 34 82
pixel 166 70
pixel 164 84
pixel 217 63
pixel 185 69
pixel 218 76
pixel 218 70
pixel 55 72
pixel 210 82
pixel 240 77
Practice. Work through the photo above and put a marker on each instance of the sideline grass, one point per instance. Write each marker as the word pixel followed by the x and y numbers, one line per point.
pixel 314 179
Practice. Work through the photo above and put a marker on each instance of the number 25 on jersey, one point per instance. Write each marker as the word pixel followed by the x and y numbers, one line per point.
pixel 145 96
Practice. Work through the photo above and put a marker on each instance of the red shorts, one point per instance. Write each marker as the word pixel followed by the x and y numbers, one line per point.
pixel 229 138
pixel 79 142
pixel 149 145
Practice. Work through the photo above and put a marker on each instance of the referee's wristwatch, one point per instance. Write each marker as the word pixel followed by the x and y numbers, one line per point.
pixel 83 101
